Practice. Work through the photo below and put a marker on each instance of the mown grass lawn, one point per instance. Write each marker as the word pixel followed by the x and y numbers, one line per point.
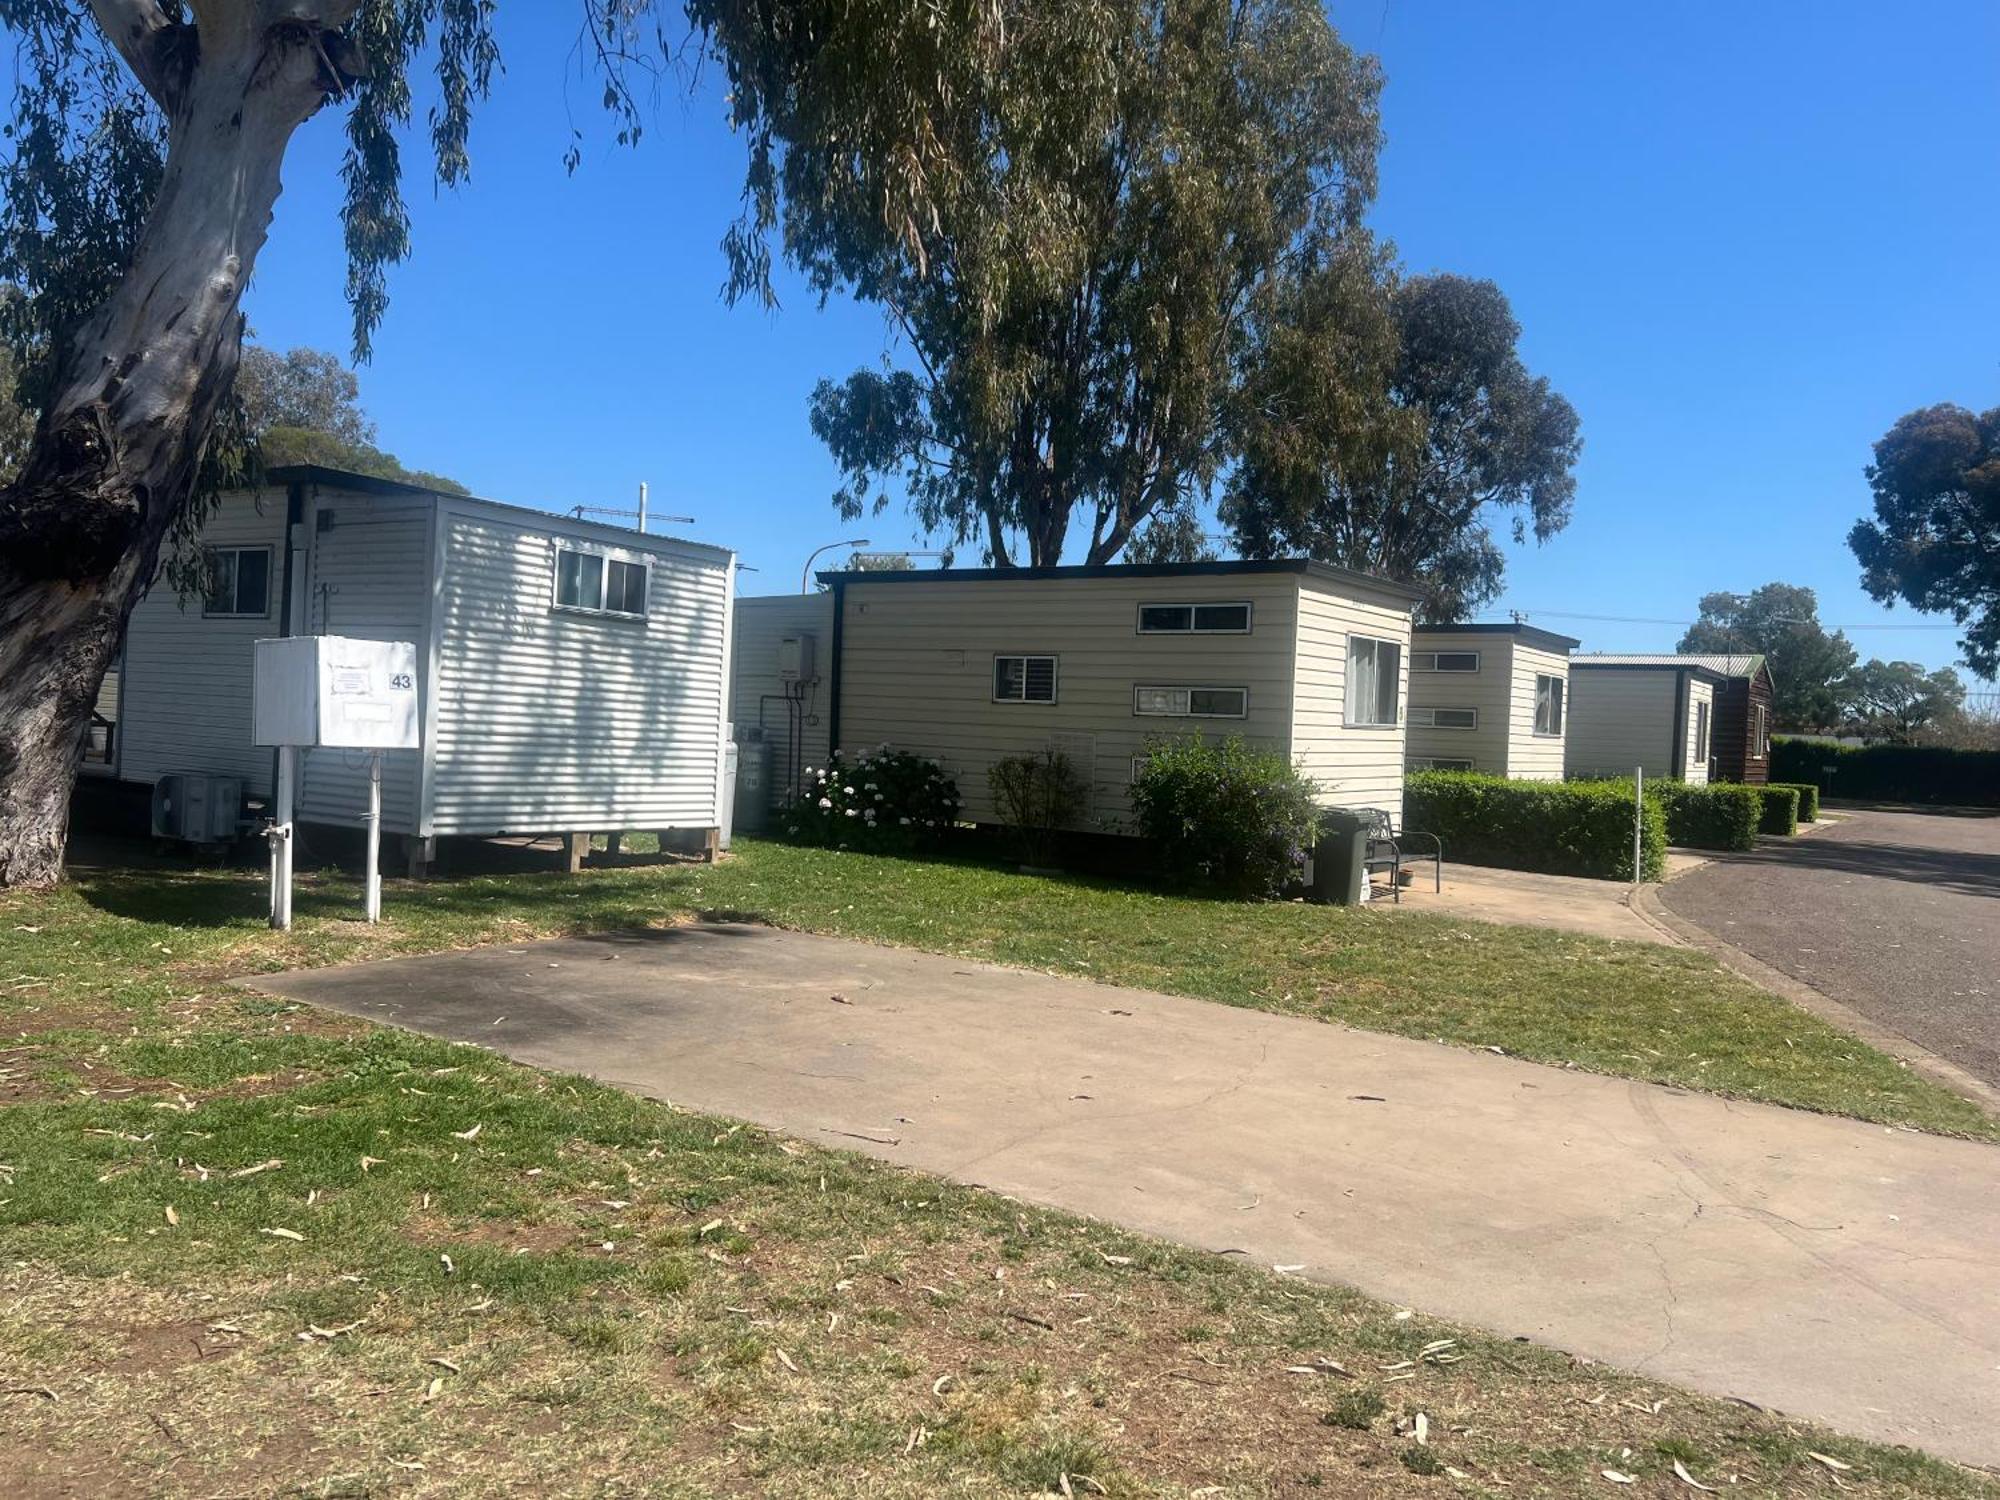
pixel 250 1248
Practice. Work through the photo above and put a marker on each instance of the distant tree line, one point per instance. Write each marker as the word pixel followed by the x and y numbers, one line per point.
pixel 1819 682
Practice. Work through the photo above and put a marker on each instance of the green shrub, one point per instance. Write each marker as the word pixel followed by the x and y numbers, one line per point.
pixel 1890 773
pixel 1225 814
pixel 1780 809
pixel 1808 799
pixel 1038 796
pixel 1555 827
pixel 1718 815
pixel 884 801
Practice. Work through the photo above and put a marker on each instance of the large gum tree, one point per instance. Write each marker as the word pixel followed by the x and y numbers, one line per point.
pixel 147 142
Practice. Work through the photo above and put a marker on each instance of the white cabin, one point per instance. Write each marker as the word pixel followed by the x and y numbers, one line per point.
pixel 572 676
pixel 1653 714
pixel 1489 698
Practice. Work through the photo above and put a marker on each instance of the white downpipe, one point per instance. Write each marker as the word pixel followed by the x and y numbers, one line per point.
pixel 372 888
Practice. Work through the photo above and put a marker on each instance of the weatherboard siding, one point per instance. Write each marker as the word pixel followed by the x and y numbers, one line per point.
pixel 186 677
pixel 1695 766
pixel 757 693
pixel 554 720
pixel 1489 691
pixel 1350 766
pixel 917 671
pixel 1531 756
pixel 1619 719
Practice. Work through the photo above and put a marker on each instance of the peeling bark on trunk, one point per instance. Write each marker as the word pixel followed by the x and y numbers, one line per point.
pixel 115 456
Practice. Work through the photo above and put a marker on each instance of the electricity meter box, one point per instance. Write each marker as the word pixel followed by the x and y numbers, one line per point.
pixel 335 690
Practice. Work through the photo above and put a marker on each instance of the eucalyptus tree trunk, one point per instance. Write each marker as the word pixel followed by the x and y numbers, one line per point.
pixel 115 454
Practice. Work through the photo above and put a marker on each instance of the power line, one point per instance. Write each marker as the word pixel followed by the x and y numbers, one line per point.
pixel 1570 614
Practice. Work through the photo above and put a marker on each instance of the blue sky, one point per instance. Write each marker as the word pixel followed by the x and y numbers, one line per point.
pixel 1741 239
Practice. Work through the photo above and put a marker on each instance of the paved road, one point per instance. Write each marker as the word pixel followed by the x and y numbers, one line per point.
pixel 1835 1270
pixel 1896 914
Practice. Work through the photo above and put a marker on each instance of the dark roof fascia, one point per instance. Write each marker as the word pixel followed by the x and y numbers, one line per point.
pixel 344 479
pixel 1326 572
pixel 1534 635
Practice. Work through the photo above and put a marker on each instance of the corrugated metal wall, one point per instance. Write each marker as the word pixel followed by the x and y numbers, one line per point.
pixel 368 576
pixel 550 720
pixel 187 676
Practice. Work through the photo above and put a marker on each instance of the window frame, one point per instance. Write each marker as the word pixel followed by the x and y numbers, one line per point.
pixel 1477 663
pixel 210 553
pixel 1024 657
pixel 605 556
pixel 1561 701
pixel 1760 731
pixel 1188 690
pixel 1434 710
pixel 1398 715
pixel 1248 607
pixel 1703 729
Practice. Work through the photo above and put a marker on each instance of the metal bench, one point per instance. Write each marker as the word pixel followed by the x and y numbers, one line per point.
pixel 1385 850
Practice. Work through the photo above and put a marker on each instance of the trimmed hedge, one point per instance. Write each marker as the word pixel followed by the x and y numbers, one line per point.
pixel 1553 827
pixel 1719 815
pixel 1780 809
pixel 1225 814
pixel 1808 799
pixel 1890 773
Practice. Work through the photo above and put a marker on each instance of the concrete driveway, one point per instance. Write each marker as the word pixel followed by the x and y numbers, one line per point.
pixel 1839 1271
pixel 1894 914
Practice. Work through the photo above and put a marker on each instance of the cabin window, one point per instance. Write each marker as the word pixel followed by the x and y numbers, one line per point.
pixel 1444 661
pixel 239 583
pixel 1439 763
pixel 1701 731
pixel 1194 619
pixel 1024 679
pixel 1760 741
pixel 1191 702
pixel 1548 705
pixel 1374 670
pixel 1444 718
pixel 600 584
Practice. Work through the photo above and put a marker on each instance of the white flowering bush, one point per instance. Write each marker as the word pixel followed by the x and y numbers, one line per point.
pixel 883 800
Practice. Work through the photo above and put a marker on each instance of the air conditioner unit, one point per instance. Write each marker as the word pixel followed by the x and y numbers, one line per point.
pixel 197 807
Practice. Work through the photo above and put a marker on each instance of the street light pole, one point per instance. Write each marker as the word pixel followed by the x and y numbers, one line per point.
pixel 805 573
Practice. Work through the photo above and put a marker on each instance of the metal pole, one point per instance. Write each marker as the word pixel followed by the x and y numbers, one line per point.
pixel 805 573
pixel 642 506
pixel 281 838
pixel 372 889
pixel 1638 823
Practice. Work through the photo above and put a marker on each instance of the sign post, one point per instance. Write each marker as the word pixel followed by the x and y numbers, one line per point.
pixel 335 692
pixel 1638 824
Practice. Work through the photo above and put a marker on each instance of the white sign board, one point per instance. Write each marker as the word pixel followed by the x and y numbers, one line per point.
pixel 335 690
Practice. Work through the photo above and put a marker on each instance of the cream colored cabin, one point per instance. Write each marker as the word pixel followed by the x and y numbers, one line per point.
pixel 973 666
pixel 1489 698
pixel 1656 716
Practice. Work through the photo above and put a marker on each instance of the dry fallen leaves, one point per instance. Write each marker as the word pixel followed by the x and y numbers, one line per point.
pixel 1681 1473
pixel 1616 1478
pixel 282 1234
